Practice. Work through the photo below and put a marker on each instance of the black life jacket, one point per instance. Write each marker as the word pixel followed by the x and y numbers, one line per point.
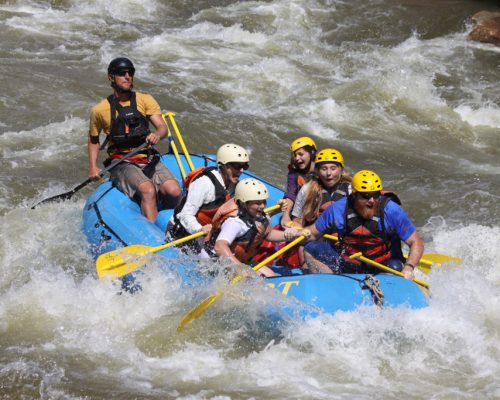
pixel 327 198
pixel 365 236
pixel 129 128
pixel 207 211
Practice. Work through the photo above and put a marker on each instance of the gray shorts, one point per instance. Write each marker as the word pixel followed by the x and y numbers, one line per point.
pixel 128 177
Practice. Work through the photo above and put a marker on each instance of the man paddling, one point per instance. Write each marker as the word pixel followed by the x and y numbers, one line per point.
pixel 124 117
pixel 366 221
pixel 207 190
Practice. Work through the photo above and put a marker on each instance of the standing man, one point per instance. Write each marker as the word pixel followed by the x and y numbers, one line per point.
pixel 366 221
pixel 124 117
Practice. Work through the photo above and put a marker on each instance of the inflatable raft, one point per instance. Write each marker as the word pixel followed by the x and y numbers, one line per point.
pixel 112 220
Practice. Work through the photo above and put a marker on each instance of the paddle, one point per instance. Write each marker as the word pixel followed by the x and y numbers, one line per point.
pixel 121 262
pixel 427 259
pixel 361 257
pixel 200 308
pixel 174 147
pixel 125 260
pixel 170 115
pixel 68 195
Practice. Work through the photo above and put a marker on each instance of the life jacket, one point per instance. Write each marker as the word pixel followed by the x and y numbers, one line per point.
pixel 129 127
pixel 369 237
pixel 208 210
pixel 301 178
pixel 327 198
pixel 245 246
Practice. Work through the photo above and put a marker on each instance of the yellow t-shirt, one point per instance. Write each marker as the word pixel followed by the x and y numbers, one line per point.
pixel 100 115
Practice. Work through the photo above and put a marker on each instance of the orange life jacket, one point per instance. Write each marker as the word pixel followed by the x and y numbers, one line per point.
pixel 245 246
pixel 207 211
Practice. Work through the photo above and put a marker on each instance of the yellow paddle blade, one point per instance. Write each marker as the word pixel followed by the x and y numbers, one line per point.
pixel 429 260
pixel 441 258
pixel 121 262
pixel 200 308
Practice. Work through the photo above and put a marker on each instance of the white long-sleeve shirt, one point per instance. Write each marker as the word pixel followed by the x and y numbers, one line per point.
pixel 201 191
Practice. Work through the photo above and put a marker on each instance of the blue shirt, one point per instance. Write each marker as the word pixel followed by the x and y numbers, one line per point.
pixel 396 220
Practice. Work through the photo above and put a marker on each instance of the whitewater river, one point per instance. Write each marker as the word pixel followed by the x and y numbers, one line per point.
pixel 395 85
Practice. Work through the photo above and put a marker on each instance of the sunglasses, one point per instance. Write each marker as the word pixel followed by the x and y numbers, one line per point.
pixel 239 166
pixel 369 195
pixel 124 72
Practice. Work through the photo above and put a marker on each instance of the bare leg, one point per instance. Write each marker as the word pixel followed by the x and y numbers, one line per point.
pixel 266 271
pixel 147 193
pixel 315 266
pixel 171 193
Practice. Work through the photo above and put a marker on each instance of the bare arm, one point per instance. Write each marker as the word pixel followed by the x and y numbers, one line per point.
pixel 93 152
pixel 416 250
pixel 223 250
pixel 161 129
pixel 286 208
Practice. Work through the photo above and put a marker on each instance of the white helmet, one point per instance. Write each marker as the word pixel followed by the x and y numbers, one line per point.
pixel 232 153
pixel 250 189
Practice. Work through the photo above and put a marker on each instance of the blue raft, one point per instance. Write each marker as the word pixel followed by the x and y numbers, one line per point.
pixel 112 220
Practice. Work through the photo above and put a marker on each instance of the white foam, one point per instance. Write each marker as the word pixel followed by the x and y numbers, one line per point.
pixel 484 116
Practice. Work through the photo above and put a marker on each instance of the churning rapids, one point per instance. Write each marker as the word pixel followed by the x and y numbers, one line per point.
pixel 395 85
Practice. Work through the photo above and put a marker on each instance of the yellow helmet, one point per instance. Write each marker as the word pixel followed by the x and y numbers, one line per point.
pixel 302 142
pixel 329 155
pixel 250 189
pixel 366 181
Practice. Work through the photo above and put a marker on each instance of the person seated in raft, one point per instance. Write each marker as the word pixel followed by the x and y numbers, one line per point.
pixel 124 116
pixel 300 170
pixel 241 225
pixel 366 221
pixel 328 184
pixel 208 189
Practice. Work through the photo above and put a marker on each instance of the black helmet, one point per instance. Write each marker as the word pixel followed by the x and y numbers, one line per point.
pixel 120 63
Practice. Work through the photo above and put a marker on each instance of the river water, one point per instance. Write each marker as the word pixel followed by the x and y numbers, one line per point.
pixel 395 85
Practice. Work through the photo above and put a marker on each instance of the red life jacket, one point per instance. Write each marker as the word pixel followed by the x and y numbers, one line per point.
pixel 369 237
pixel 245 246
pixel 208 210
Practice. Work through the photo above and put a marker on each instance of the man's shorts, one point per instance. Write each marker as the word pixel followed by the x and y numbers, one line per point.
pixel 324 251
pixel 128 177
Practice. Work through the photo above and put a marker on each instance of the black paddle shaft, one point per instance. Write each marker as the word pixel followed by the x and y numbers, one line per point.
pixel 68 195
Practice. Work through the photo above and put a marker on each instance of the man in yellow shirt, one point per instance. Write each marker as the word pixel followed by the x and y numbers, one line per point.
pixel 124 117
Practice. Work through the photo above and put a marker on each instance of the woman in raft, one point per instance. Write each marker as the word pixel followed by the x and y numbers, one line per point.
pixel 329 184
pixel 300 170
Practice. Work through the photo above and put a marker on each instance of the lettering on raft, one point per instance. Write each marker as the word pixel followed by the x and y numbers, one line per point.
pixel 284 287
